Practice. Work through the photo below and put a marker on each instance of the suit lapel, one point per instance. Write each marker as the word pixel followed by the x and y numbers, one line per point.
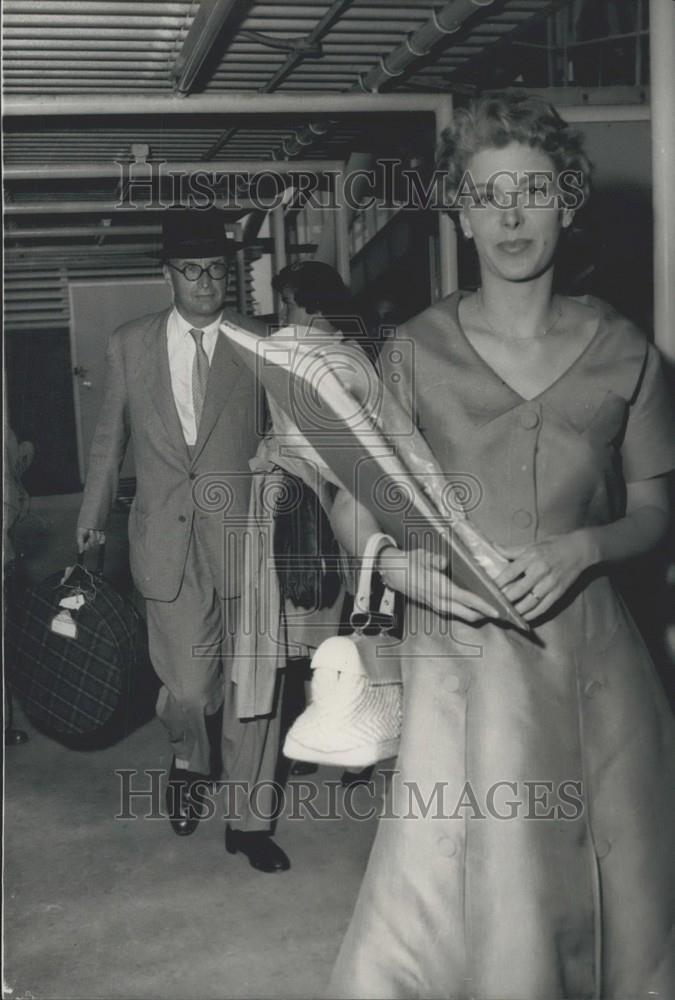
pixel 223 375
pixel 158 379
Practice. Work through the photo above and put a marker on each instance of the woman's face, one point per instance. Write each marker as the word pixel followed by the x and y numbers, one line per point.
pixel 517 220
pixel 293 314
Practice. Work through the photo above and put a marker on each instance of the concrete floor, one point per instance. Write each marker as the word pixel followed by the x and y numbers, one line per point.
pixel 99 907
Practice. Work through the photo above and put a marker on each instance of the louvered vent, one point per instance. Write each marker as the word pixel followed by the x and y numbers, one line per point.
pixel 37 297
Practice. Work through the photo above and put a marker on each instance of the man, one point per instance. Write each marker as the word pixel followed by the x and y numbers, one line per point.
pixel 174 386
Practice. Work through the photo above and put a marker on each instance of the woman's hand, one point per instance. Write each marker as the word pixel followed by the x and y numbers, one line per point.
pixel 419 574
pixel 540 574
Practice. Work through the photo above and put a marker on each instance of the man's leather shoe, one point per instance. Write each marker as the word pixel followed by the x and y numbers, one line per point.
pixel 258 846
pixel 184 804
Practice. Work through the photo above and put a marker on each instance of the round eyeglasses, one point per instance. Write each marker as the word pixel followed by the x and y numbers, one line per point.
pixel 193 272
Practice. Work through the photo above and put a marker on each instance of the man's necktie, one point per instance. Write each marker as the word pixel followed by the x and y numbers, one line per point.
pixel 200 374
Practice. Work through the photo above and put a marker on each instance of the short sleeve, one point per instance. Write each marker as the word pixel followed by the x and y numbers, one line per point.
pixel 648 447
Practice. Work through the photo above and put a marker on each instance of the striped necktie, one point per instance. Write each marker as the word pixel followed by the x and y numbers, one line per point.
pixel 200 375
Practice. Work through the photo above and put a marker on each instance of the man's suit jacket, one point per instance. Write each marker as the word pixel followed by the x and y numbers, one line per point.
pixel 176 486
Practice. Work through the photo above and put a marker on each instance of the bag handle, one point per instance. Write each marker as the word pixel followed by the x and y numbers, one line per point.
pixel 362 615
pixel 100 560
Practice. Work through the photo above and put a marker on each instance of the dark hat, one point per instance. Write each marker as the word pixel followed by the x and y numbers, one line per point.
pixel 190 233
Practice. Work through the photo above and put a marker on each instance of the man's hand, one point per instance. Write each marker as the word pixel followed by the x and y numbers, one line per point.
pixel 420 575
pixel 89 538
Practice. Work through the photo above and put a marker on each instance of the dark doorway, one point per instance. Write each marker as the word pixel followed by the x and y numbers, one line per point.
pixel 41 409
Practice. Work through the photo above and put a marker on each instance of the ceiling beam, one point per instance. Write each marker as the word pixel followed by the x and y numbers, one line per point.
pixel 211 21
pixel 164 168
pixel 293 60
pixel 70 232
pixel 238 205
pixel 393 67
pixel 219 104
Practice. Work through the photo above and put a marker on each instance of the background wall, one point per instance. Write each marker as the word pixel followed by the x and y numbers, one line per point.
pixel 608 253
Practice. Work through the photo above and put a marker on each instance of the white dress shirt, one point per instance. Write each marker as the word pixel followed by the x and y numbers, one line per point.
pixel 182 350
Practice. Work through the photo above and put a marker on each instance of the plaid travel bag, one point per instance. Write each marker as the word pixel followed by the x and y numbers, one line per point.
pixel 76 656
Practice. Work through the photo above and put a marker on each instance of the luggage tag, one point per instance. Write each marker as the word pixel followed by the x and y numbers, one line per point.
pixel 63 622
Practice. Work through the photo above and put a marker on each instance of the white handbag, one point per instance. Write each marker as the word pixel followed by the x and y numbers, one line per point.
pixel 354 716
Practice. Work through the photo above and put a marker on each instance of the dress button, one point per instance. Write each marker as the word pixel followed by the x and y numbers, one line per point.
pixel 592 689
pixel 529 419
pixel 602 847
pixel 447 847
pixel 182 518
pixel 456 684
pixel 522 519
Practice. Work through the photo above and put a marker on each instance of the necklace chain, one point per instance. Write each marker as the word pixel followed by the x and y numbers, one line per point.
pixel 498 333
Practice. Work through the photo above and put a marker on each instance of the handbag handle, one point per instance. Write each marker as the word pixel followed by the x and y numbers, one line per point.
pixel 362 615
pixel 100 560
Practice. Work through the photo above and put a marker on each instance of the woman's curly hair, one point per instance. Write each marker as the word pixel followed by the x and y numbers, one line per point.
pixel 496 121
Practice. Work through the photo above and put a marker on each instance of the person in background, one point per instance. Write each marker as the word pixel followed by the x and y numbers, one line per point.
pixel 542 865
pixel 175 388
pixel 309 605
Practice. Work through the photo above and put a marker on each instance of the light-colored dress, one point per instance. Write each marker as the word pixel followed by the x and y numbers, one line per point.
pixel 546 870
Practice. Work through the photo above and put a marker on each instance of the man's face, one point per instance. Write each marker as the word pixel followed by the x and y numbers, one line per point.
pixel 200 302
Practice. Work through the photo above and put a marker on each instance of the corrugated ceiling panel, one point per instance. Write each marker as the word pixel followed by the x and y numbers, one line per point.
pixel 36 294
pixel 120 47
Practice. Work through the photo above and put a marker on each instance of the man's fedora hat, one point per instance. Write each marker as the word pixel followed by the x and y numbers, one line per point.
pixel 193 234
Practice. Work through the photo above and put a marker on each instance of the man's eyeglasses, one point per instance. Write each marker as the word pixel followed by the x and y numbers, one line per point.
pixel 193 272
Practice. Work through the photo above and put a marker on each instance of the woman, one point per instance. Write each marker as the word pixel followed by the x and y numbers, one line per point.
pixel 527 851
pixel 288 612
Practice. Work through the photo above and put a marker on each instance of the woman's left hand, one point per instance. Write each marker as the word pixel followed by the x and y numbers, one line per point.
pixel 540 574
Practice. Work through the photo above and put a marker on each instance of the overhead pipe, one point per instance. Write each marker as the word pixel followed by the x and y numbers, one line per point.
pixel 417 45
pixel 333 14
pixel 322 27
pixel 420 43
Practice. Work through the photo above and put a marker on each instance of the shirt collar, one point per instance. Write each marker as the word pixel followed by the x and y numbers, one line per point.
pixel 183 327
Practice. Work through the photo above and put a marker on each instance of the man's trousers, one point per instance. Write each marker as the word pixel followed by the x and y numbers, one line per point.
pixel 191 643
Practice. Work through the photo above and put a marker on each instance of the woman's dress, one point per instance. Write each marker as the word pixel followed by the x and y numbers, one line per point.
pixel 542 868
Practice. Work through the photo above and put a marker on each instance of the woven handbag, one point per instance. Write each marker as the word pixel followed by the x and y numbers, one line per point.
pixel 77 680
pixel 354 716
